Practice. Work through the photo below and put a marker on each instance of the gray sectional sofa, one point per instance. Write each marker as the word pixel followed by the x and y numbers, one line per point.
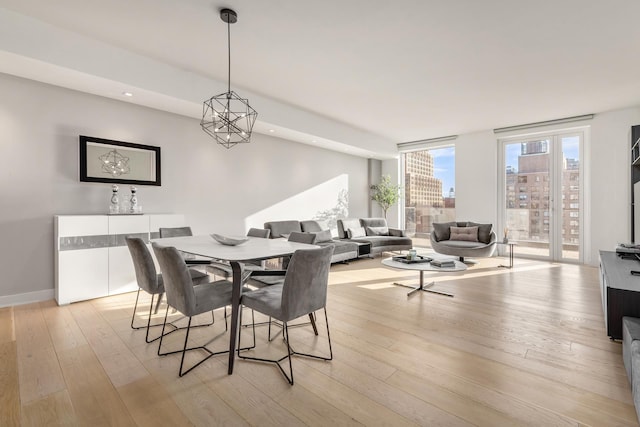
pixel 342 250
pixel 374 231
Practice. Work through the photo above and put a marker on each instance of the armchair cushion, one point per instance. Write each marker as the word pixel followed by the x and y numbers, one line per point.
pixel 442 230
pixel 377 231
pixel 484 231
pixel 468 234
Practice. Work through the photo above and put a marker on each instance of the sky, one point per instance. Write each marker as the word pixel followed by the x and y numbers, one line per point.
pixel 444 167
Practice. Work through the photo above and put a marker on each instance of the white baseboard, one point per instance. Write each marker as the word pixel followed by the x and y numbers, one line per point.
pixel 26 298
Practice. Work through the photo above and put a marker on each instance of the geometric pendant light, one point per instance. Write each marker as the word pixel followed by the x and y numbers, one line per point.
pixel 227 117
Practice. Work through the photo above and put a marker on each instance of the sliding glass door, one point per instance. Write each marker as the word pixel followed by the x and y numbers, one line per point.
pixel 541 186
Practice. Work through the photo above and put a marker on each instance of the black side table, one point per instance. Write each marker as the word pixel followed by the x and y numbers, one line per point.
pixel 511 246
pixel 364 248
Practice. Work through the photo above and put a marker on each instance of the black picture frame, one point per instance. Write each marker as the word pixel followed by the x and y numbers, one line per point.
pixel 142 162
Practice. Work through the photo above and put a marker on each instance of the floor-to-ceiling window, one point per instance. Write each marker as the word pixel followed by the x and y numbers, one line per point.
pixel 542 195
pixel 429 190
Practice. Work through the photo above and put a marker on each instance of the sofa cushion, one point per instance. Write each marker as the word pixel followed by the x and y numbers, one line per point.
pixel 344 224
pixel 353 233
pixel 396 232
pixel 278 228
pixel 312 225
pixel 377 231
pixel 484 231
pixel 469 234
pixel 442 230
pixel 378 241
pixel 323 236
pixel 373 222
pixel 340 247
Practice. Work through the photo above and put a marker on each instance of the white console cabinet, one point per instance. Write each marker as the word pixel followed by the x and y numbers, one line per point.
pixel 91 257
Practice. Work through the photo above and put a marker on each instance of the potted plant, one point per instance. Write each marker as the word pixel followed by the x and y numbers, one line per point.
pixel 385 193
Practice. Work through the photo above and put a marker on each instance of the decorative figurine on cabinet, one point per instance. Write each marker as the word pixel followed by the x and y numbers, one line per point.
pixel 133 202
pixel 114 207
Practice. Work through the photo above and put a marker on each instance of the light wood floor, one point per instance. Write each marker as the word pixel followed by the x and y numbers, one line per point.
pixel 514 347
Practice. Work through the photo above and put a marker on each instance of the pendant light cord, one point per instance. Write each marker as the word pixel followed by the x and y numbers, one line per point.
pixel 229 58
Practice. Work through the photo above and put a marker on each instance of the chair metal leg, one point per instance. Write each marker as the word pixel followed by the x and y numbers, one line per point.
pixel 278 324
pixel 146 338
pixel 185 349
pixel 312 322
pixel 135 307
pixel 315 356
pixel 158 303
pixel 312 318
pixel 177 329
pixel 291 352
pixel 253 323
pixel 326 322
pixel 164 324
pixel 162 333
pixel 148 325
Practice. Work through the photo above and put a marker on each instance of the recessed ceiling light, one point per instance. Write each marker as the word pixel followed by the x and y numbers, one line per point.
pixel 272 130
pixel 129 94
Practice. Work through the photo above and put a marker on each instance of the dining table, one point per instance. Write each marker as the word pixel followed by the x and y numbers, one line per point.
pixel 253 249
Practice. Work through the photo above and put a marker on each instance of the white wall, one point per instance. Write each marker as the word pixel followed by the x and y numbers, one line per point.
pixel 219 190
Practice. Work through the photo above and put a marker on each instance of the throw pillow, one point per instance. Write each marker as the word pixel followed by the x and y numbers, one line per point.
pixel 352 233
pixel 468 234
pixel 377 231
pixel 484 231
pixel 441 230
pixel 323 236
pixel 396 233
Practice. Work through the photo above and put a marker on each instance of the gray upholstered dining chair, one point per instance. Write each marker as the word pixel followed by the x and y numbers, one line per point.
pixel 188 299
pixel 276 279
pixel 303 292
pixel 191 260
pixel 150 281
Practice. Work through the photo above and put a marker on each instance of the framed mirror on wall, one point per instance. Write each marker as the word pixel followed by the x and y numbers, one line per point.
pixel 118 162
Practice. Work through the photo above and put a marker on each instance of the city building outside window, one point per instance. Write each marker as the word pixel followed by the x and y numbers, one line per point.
pixel 429 191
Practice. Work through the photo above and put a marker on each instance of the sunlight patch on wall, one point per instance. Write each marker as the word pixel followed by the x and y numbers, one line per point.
pixel 327 201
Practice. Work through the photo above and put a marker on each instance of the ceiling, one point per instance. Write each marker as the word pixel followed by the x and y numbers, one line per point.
pixel 358 75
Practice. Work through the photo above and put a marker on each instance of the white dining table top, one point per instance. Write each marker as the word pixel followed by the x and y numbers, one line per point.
pixel 255 248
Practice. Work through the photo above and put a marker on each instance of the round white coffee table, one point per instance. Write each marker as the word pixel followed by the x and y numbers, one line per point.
pixel 422 267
